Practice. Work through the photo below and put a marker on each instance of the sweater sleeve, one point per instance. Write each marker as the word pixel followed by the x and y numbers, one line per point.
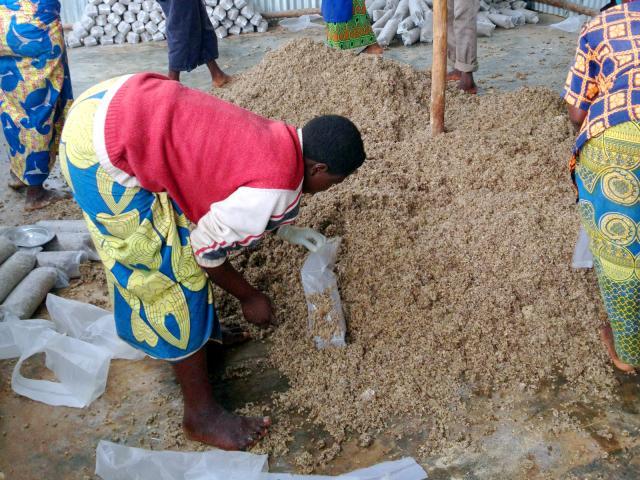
pixel 241 220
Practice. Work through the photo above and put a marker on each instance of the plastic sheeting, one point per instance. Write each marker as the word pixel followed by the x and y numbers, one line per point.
pixel 118 462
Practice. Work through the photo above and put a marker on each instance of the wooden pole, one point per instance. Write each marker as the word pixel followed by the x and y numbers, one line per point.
pixel 439 66
pixel 291 13
pixel 572 7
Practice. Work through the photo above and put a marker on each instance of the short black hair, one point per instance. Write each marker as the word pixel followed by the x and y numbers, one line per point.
pixel 334 141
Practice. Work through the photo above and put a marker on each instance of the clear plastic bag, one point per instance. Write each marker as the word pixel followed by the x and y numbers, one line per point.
pixel 80 367
pixel 326 318
pixel 13 270
pixel 570 25
pixel 582 256
pixel 119 462
pixel 25 299
pixel 6 249
pixel 73 241
pixel 300 23
pixel 91 324
pixel 68 262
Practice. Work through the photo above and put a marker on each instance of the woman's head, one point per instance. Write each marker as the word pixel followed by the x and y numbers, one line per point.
pixel 332 149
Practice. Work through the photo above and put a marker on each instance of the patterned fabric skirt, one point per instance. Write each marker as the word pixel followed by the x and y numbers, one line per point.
pixel 35 87
pixel 162 299
pixel 608 180
pixel 356 33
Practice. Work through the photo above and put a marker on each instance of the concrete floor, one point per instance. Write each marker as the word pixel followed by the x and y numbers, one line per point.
pixel 141 405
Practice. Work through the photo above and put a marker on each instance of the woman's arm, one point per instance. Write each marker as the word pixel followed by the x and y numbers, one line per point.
pixel 577 116
pixel 256 306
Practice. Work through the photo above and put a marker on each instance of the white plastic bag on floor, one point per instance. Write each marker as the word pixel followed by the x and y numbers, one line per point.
pixel 91 324
pixel 118 462
pixel 320 284
pixel 80 367
pixel 8 346
pixel 300 23
pixel 582 256
pixel 571 24
pixel 78 344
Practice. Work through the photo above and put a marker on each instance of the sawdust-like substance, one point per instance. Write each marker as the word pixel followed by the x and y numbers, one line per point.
pixel 455 263
pixel 323 318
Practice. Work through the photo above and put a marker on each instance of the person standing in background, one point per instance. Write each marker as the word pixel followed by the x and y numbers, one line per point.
pixel 192 40
pixel 349 26
pixel 462 42
pixel 35 93
pixel 602 92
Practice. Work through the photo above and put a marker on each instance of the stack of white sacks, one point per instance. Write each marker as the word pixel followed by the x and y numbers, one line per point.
pixel 109 22
pixel 412 20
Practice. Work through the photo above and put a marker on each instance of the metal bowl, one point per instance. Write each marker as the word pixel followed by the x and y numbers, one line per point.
pixel 28 236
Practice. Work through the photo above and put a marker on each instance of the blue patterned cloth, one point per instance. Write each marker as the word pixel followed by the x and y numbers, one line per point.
pixel 35 86
pixel 162 299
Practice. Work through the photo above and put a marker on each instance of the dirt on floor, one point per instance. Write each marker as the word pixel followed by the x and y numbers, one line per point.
pixel 456 284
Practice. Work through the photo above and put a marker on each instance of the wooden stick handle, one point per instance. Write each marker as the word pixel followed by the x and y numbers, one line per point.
pixel 571 7
pixel 439 66
pixel 291 13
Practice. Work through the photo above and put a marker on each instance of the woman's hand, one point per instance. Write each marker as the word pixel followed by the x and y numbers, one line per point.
pixel 577 117
pixel 257 309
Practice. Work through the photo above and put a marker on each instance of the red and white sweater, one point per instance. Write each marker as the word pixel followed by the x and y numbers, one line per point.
pixel 233 173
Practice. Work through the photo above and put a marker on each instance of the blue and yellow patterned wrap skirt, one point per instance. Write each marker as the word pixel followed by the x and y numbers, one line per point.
pixel 35 87
pixel 162 299
pixel 608 180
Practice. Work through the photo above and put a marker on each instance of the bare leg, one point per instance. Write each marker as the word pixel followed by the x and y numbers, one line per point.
pixel 218 77
pixel 466 83
pixel 174 75
pixel 204 419
pixel 39 197
pixel 606 335
pixel 374 49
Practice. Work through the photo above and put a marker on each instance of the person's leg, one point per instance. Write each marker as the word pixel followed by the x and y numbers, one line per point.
pixel 218 77
pixel 177 24
pixel 209 47
pixel 356 33
pixel 34 93
pixel 466 43
pixel 453 75
pixel 204 419
pixel 607 181
pixel 606 335
pixel 374 49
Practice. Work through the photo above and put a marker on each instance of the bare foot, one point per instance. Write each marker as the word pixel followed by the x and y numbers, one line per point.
pixel 38 197
pixel 606 335
pixel 374 49
pixel 14 182
pixel 224 430
pixel 454 76
pixel 466 83
pixel 221 79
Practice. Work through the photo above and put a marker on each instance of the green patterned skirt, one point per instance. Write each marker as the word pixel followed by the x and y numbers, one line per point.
pixel 356 33
pixel 608 180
